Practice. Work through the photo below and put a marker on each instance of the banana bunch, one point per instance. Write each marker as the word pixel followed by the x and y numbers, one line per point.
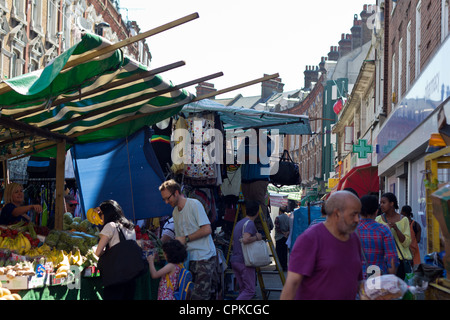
pixel 76 259
pixel 5 294
pixel 23 243
pixel 63 266
pixel 19 244
pixel 93 217
pixel 7 243
pixel 43 250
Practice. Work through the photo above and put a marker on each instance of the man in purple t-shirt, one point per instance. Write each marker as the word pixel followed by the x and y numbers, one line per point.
pixel 325 262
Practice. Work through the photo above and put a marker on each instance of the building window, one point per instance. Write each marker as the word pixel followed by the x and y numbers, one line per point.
pixel 17 63
pixel 408 56
pixel 348 139
pixel 444 19
pixel 418 37
pixel 400 69
pixel 52 21
pixel 18 10
pixel 36 14
pixel 393 77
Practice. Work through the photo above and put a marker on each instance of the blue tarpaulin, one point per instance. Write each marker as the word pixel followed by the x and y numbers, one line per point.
pixel 125 170
pixel 302 221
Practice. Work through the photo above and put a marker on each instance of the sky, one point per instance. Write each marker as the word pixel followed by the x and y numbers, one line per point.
pixel 244 39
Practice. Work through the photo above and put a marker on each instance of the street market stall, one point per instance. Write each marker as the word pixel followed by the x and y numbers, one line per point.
pixel 90 96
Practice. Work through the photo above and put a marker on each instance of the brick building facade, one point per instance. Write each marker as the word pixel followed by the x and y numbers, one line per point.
pixel 416 30
pixel 33 33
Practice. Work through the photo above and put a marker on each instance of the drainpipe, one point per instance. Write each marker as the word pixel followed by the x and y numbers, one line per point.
pixel 386 99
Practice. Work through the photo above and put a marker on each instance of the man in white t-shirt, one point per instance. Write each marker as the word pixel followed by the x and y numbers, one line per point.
pixel 193 228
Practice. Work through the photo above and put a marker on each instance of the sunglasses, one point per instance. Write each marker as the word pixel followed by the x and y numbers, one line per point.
pixel 72 205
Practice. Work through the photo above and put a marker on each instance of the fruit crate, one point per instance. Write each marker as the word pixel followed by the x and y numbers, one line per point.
pixel 16 283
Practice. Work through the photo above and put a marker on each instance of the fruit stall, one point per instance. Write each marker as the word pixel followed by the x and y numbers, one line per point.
pixel 40 264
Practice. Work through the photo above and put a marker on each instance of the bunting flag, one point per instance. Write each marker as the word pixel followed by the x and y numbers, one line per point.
pixel 337 108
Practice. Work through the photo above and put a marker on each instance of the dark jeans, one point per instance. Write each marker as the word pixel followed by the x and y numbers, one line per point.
pixel 282 252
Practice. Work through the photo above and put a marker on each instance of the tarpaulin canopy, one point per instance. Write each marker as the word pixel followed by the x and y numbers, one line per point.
pixel 243 118
pixel 125 170
pixel 363 179
pixel 102 98
pixel 291 192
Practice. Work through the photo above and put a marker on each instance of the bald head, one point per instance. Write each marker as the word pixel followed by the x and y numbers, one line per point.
pixel 343 209
pixel 339 200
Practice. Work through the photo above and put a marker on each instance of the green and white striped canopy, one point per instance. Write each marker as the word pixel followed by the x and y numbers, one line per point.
pixel 106 97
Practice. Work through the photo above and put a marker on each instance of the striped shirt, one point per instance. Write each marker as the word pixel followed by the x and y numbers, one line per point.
pixel 378 245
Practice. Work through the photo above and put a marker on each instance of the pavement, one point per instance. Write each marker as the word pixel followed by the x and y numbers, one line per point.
pixel 272 280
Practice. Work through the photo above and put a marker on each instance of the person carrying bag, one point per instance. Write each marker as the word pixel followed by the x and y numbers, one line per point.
pixel 121 259
pixel 245 233
pixel 256 254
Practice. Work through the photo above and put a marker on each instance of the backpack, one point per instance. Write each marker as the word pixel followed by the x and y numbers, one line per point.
pixel 184 284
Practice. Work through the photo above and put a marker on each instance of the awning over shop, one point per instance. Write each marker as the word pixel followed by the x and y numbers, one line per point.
pixel 83 100
pixel 242 118
pixel 363 179
pixel 291 192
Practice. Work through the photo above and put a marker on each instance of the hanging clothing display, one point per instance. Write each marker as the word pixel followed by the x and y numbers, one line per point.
pixel 160 140
pixel 232 181
pixel 204 168
pixel 181 144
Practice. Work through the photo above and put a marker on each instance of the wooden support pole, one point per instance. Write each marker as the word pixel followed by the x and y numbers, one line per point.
pixel 236 87
pixel 140 99
pixel 96 53
pixel 108 86
pixel 60 171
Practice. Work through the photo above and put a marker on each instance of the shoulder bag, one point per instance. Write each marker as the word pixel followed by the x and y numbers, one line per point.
pixel 256 254
pixel 405 265
pixel 122 262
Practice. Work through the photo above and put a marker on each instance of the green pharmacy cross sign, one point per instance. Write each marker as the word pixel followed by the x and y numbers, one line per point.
pixel 362 149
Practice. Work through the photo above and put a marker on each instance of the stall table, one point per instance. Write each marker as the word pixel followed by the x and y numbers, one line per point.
pixel 91 288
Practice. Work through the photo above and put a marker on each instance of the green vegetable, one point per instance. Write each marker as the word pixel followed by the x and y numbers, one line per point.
pixel 67 218
pixel 52 238
pixel 85 225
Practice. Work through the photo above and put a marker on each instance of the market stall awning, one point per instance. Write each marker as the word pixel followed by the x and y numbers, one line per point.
pixel 102 98
pixel 242 118
pixel 363 179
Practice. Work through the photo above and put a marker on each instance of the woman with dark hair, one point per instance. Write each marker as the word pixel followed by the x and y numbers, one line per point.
pixel 113 219
pixel 399 226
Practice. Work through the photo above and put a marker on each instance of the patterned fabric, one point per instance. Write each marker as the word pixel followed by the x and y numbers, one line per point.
pixel 378 245
pixel 168 284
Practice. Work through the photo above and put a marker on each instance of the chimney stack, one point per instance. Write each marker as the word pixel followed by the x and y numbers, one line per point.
pixel 311 75
pixel 205 88
pixel 269 87
pixel 366 33
pixel 322 63
pixel 345 45
pixel 333 55
pixel 356 31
